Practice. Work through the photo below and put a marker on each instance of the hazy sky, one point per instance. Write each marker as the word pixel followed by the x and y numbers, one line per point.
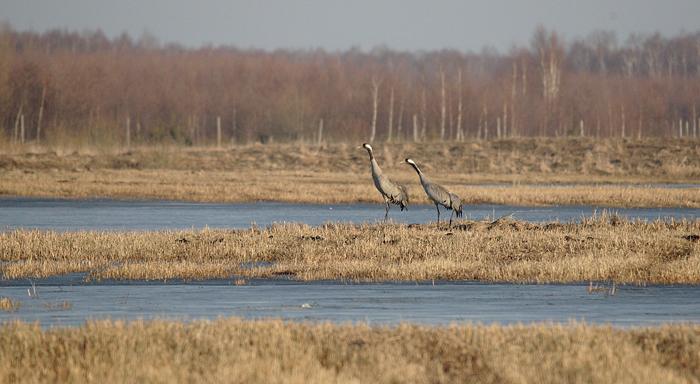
pixel 338 24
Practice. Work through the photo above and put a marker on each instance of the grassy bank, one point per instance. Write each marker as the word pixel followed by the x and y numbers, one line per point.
pixel 323 188
pixel 340 172
pixel 234 350
pixel 604 248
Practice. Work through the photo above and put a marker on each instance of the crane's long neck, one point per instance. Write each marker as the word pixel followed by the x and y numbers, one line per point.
pixel 419 172
pixel 375 166
pixel 417 169
pixel 373 162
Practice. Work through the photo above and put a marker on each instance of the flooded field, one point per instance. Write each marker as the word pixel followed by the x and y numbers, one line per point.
pixel 67 301
pixel 73 215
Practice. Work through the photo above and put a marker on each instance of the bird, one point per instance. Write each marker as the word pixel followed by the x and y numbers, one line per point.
pixel 438 194
pixel 393 193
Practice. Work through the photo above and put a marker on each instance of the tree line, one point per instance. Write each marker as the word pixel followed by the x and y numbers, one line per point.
pixel 87 88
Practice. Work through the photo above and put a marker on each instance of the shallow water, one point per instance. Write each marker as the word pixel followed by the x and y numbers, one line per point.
pixel 442 303
pixel 70 215
pixel 383 303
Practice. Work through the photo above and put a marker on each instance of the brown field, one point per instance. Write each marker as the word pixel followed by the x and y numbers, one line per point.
pixel 603 248
pixel 527 171
pixel 271 351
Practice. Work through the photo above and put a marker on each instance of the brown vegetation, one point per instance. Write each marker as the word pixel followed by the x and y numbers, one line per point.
pixel 85 89
pixel 604 248
pixel 340 173
pixel 7 304
pixel 234 350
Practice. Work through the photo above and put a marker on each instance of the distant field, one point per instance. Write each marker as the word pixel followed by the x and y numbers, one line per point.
pixel 234 350
pixel 502 172
pixel 604 248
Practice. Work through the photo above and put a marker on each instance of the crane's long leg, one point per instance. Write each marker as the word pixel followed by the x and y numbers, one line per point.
pixel 451 213
pixel 438 209
pixel 386 212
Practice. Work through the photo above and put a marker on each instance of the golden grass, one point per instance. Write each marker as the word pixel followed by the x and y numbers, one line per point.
pixel 309 187
pixel 9 305
pixel 340 173
pixel 271 351
pixel 604 248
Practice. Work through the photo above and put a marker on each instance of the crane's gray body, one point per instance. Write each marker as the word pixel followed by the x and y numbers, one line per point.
pixel 438 194
pixel 393 193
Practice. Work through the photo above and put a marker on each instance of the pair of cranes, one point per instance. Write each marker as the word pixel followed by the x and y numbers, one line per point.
pixel 394 193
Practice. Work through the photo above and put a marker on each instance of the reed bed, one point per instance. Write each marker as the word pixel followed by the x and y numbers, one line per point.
pixel 273 351
pixel 602 248
pixel 585 171
pixel 321 188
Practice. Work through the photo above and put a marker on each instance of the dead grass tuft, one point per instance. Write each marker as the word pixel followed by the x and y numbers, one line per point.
pixel 9 305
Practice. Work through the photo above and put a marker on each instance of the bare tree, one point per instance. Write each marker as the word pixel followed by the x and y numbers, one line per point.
pixel 15 135
pixel 375 107
pixel 41 114
pixel 547 44
pixel 128 131
pixel 399 123
pixel 442 105
pixel 424 115
pixel 460 134
pixel 415 128
pixel 391 115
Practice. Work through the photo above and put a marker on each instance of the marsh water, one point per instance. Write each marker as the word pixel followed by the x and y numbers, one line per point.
pixel 384 303
pixel 71 215
pixel 68 300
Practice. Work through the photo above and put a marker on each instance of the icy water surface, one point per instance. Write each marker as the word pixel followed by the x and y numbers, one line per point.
pixel 70 215
pixel 382 303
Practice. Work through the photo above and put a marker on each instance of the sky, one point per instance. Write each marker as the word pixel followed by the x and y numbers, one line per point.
pixel 338 25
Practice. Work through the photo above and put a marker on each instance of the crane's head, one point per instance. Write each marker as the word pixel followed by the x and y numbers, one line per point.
pixel 367 146
pixel 413 164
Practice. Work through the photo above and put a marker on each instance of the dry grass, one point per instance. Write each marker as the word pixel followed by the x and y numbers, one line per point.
pixel 309 187
pixel 583 160
pixel 270 351
pixel 9 305
pixel 340 173
pixel 604 248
